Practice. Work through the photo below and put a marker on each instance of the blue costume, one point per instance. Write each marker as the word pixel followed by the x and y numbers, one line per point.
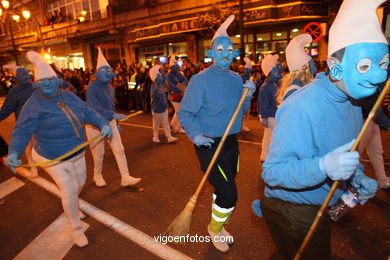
pixel 159 102
pixel 101 97
pixel 266 103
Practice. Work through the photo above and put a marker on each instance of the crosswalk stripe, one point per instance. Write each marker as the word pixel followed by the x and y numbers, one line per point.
pixel 131 233
pixel 10 186
pixel 53 243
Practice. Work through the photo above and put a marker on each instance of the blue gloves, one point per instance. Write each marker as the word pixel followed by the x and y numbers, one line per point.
pixel 340 164
pixel 256 208
pixel 106 131
pixel 13 161
pixel 365 186
pixel 200 140
pixel 250 85
pixel 119 116
pixel 264 122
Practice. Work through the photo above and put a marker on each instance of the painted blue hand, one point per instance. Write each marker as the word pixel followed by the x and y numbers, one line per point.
pixel 13 161
pixel 105 74
pixel 119 116
pixel 365 186
pixel 106 131
pixel 201 140
pixel 256 208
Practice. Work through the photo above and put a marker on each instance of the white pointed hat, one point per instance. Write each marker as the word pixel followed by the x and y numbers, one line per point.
pixel 154 72
pixel 172 61
pixel 12 67
pixel 42 69
pixel 356 22
pixel 222 30
pixel 296 55
pixel 268 63
pixel 248 63
pixel 101 61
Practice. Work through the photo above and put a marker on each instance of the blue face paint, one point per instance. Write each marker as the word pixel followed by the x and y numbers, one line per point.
pixel 105 74
pixel 222 52
pixel 364 66
pixel 175 67
pixel 22 76
pixel 312 67
pixel 47 86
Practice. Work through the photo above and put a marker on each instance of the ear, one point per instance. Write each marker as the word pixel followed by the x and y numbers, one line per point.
pixel 335 69
pixel 236 53
pixel 59 82
pixel 209 53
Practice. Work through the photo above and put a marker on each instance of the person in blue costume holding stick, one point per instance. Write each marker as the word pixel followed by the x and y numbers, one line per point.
pixel 101 97
pixel 207 106
pixel 57 118
pixel 315 130
pixel 14 102
pixel 266 101
pixel 246 75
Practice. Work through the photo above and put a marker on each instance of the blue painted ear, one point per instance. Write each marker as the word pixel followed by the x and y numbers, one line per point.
pixel 335 69
pixel 236 53
pixel 209 53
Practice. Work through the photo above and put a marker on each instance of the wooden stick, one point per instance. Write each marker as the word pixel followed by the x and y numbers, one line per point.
pixel 336 183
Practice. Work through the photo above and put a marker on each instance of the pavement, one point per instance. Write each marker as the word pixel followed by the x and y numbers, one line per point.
pixel 122 222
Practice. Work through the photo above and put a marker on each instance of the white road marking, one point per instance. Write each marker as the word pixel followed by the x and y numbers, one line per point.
pixel 10 186
pixel 53 243
pixel 149 127
pixel 131 233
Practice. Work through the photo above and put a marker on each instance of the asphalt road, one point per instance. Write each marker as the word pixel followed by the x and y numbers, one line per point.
pixel 170 175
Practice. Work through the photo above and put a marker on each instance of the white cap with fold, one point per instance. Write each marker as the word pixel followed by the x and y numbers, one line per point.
pixel 101 61
pixel 222 30
pixel 268 63
pixel 356 22
pixel 42 69
pixel 154 72
pixel 296 55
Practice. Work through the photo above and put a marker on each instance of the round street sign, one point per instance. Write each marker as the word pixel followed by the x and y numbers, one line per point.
pixel 314 29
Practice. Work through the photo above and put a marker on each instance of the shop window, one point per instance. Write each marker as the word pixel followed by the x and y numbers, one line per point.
pixel 263 37
pixel 279 35
pixel 294 32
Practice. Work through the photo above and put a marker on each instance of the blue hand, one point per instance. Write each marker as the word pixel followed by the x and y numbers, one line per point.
pixel 106 131
pixel 201 140
pixel 119 116
pixel 365 186
pixel 13 161
pixel 256 208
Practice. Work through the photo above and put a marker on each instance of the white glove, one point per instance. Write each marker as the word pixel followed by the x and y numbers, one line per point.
pixel 340 164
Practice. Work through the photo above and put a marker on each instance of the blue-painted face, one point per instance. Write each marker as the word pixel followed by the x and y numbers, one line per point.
pixel 222 52
pixel 48 86
pixel 312 67
pixel 105 74
pixel 276 72
pixel 363 67
pixel 22 76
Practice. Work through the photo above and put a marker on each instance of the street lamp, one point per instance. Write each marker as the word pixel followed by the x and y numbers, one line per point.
pixel 5 4
pixel 26 14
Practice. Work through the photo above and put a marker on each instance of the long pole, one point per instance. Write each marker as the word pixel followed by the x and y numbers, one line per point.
pixel 13 43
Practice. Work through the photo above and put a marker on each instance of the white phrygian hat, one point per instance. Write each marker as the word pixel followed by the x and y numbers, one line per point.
pixel 101 61
pixel 154 72
pixel 172 61
pixel 356 22
pixel 222 30
pixel 268 63
pixel 248 63
pixel 42 69
pixel 296 56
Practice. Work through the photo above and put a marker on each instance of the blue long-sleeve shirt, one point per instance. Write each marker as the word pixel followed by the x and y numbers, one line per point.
pixel 209 102
pixel 311 123
pixel 101 98
pixel 159 102
pixel 54 133
pixel 174 77
pixel 15 100
pixel 266 101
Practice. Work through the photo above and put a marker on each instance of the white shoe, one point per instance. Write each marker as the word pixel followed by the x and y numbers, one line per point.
pixel 156 140
pixel 384 184
pixel 229 238
pixel 99 181
pixel 172 139
pixel 79 238
pixel 221 246
pixel 128 180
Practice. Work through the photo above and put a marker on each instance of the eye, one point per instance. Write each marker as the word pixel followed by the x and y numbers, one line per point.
pixel 364 65
pixel 219 48
pixel 384 63
pixel 230 49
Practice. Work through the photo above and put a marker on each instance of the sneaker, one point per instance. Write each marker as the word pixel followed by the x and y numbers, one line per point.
pixel 79 238
pixel 229 238
pixel 245 128
pixel 128 180
pixel 384 184
pixel 156 140
pixel 99 181
pixel 172 139
pixel 221 246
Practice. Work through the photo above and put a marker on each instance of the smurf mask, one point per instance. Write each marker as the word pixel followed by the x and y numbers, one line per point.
pixel 48 86
pixel 222 52
pixel 22 76
pixel 363 67
pixel 105 74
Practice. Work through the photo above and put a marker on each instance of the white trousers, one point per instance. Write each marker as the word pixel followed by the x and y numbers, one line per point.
pixel 175 122
pixel 70 177
pixel 373 142
pixel 97 149
pixel 161 118
pixel 28 152
pixel 267 138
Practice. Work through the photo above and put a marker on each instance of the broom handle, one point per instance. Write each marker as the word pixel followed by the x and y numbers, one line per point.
pixel 219 148
pixel 336 183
